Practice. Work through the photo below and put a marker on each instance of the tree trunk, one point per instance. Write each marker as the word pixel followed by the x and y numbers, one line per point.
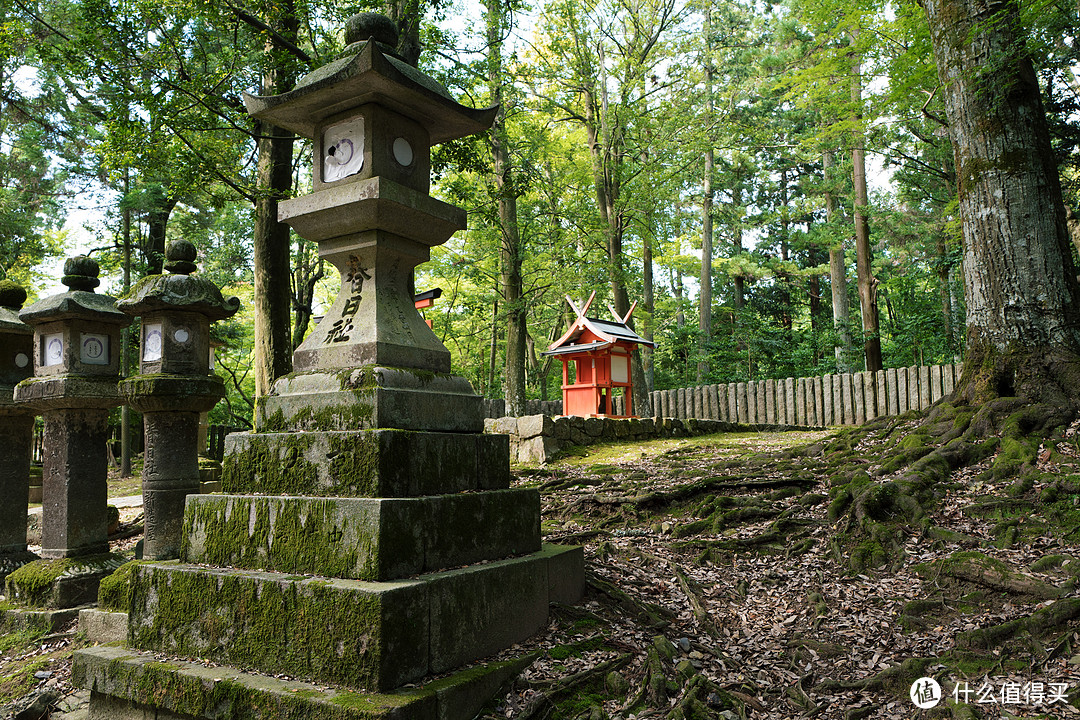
pixel 310 269
pixel 705 280
pixel 273 340
pixel 1023 303
pixel 494 350
pixel 736 245
pixel 406 14
pixel 864 273
pixel 157 222
pixel 946 296
pixel 649 301
pixel 841 311
pixel 510 250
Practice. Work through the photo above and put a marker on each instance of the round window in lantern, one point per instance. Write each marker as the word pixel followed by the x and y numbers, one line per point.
pixel 403 152
pixel 152 343
pixel 21 360
pixel 94 349
pixel 343 149
pixel 181 335
pixel 52 349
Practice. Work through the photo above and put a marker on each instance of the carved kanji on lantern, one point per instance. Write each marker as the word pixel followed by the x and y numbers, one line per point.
pixel 601 352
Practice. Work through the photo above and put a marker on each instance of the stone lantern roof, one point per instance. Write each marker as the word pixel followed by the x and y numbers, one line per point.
pixel 369 71
pixel 80 302
pixel 12 297
pixel 179 290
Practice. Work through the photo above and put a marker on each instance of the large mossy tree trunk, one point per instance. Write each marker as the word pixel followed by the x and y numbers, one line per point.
pixel 1023 320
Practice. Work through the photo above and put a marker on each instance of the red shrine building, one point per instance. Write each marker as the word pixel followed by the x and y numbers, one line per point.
pixel 600 351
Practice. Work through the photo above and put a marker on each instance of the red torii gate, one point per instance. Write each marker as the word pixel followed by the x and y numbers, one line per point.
pixel 601 351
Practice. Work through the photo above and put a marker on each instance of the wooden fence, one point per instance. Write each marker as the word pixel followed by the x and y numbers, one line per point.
pixel 845 399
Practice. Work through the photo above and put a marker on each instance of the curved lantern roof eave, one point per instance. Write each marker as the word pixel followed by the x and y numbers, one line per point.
pixel 370 76
pixel 190 293
pixel 75 304
pixel 10 322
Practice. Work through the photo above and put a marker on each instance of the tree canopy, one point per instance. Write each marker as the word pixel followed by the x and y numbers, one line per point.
pixel 635 135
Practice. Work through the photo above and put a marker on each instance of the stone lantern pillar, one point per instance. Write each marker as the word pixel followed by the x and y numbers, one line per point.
pixel 16 429
pixel 76 358
pixel 173 387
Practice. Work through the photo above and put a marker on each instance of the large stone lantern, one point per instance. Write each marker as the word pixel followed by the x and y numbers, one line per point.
pixel 173 387
pixel 368 538
pixel 76 356
pixel 16 429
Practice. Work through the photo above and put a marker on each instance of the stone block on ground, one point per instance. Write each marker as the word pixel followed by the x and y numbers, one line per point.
pixel 102 626
pixel 45 621
pixel 540 449
pixel 504 425
pixel 562 428
pixel 533 425
pixel 62 583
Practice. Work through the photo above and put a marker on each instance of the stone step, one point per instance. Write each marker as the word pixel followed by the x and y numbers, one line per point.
pixel 367 396
pixel 364 463
pixel 357 634
pixel 360 538
pixel 123 680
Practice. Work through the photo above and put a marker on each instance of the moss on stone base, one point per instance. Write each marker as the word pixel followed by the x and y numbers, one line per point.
pixel 332 631
pixel 32 584
pixel 114 592
pixel 193 690
pixel 286 537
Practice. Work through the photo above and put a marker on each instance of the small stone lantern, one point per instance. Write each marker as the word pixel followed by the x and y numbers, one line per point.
pixel 76 354
pixel 173 387
pixel 16 429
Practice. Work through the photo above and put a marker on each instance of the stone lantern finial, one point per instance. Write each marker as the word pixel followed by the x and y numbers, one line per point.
pixel 365 25
pixel 12 295
pixel 81 273
pixel 180 257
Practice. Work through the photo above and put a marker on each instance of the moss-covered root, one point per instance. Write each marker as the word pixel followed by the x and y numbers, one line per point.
pixel 895 679
pixel 1039 623
pixel 977 568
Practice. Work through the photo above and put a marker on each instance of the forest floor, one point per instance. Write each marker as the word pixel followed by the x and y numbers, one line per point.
pixel 720 585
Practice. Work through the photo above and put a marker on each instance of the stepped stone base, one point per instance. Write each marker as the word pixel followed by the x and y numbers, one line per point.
pixel 375 636
pixel 121 680
pixel 364 463
pixel 360 538
pixel 370 397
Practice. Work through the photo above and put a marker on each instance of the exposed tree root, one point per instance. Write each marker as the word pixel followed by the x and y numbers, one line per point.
pixel 544 704
pixel 1039 623
pixel 982 570
pixel 652 615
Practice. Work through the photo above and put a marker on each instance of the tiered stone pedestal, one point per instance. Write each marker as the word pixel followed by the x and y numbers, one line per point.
pixel 386 556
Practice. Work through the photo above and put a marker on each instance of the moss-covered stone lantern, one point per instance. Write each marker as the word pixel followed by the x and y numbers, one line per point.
pixel 16 429
pixel 76 357
pixel 368 537
pixel 173 387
